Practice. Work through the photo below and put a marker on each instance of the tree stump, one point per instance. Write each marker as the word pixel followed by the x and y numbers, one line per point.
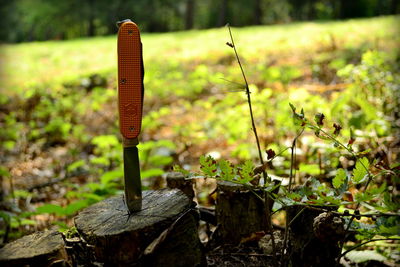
pixel 239 212
pixel 164 232
pixel 38 249
pixel 177 180
pixel 306 249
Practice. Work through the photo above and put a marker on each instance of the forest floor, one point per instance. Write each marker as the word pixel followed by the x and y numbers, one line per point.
pixel 60 144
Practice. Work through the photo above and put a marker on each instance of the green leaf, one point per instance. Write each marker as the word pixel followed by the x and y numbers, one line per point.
pixel 105 141
pixel 178 168
pixel 208 166
pixel 292 107
pixel 246 173
pixel 312 169
pixel 363 197
pixel 9 145
pixel 51 208
pixel 91 197
pixel 227 172
pixel 377 190
pixel 110 176
pixel 389 202
pixel 339 179
pixel 151 173
pixel 75 165
pixel 365 255
pixel 93 186
pixel 160 160
pixel 27 222
pixel 4 172
pixel 294 196
pixel 369 110
pixel 75 206
pixel 100 161
pixel 360 171
pixel 5 216
pixel 389 230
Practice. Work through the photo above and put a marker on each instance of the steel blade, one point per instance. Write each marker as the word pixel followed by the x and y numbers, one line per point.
pixel 133 185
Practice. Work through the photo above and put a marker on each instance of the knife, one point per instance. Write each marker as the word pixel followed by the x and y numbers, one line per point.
pixel 130 105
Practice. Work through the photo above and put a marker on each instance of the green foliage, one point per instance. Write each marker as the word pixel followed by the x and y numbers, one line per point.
pixel 361 170
pixel 75 165
pixel 208 166
pixel 225 170
pixel 189 104
pixel 246 172
pixel 339 179
pixel 42 20
pixel 365 255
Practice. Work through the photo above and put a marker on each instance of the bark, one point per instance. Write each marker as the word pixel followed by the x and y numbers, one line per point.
pixel 177 180
pixel 239 212
pixel 91 17
pixel 165 230
pixel 305 248
pixel 394 8
pixel 38 249
pixel 189 15
pixel 222 13
pixel 258 14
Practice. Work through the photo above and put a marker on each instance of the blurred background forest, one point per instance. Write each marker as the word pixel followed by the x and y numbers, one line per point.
pixel 32 20
pixel 60 147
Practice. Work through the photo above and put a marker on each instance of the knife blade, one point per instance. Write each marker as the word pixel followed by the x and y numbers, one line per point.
pixel 130 105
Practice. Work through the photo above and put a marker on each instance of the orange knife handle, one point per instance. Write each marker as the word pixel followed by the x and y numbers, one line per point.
pixel 130 79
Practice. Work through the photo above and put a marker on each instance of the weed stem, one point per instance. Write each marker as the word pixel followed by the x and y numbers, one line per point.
pixel 253 125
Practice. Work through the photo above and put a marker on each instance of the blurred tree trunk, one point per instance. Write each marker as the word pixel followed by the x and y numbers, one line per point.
pixel 91 27
pixel 258 14
pixel 394 7
pixel 343 7
pixel 222 13
pixel 311 10
pixel 189 14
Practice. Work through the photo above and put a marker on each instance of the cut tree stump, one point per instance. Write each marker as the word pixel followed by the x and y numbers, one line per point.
pixel 305 248
pixel 177 180
pixel 239 212
pixel 38 249
pixel 163 232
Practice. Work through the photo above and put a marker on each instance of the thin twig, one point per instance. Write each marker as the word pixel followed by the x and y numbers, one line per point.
pixel 286 234
pixel 253 125
pixel 295 217
pixel 264 172
pixel 293 159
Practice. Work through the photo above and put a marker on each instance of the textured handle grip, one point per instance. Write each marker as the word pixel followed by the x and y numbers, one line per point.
pixel 130 80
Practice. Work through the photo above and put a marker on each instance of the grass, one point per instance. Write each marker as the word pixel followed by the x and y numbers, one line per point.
pixel 38 63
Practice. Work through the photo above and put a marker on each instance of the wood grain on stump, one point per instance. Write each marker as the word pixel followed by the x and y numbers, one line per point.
pixel 38 249
pixel 239 212
pixel 164 231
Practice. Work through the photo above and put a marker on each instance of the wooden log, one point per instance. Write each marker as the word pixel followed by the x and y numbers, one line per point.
pixel 164 232
pixel 177 180
pixel 38 249
pixel 239 212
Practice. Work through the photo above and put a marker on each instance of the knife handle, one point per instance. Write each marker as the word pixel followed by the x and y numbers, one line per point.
pixel 130 79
